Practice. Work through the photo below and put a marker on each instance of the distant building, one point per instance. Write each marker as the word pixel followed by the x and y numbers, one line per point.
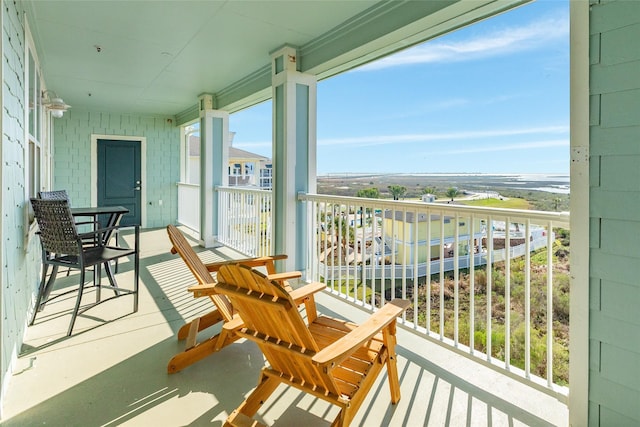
pixel 246 169
pixel 428 198
pixel 399 232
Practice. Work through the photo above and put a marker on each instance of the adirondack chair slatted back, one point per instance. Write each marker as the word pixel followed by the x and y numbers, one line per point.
pixel 273 321
pixel 182 247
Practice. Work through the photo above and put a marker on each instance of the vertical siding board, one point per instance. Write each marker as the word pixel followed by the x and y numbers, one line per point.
pixel 613 365
pixel 595 289
pixel 617 78
pixel 623 269
pixel 614 378
pixel 72 160
pixel 616 141
pixel 594 49
pixel 594 110
pixel 608 16
pixel 614 397
pixel 615 47
pixel 620 109
pixel 621 301
pixel 19 263
pixel 612 418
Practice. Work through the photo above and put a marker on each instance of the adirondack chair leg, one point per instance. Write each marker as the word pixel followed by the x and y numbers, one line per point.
pixel 205 321
pixel 310 309
pixel 340 421
pixel 241 420
pixel 256 399
pixel 199 352
pixel 193 334
pixel 389 337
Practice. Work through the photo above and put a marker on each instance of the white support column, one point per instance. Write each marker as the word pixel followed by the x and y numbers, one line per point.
pixel 214 165
pixel 294 155
pixel 580 142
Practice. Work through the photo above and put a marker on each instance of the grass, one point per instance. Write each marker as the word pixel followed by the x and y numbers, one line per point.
pixel 512 203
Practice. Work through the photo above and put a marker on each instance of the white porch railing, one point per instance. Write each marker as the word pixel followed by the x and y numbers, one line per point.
pixel 189 205
pixel 489 303
pixel 245 220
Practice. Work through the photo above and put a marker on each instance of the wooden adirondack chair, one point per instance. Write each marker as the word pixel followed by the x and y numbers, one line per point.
pixel 331 359
pixel 223 311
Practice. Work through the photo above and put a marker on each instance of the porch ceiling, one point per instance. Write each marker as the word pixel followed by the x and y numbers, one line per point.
pixel 156 57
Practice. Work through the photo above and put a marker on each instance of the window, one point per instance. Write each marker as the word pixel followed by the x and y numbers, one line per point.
pixel 37 136
pixel 34 163
pixel 191 154
pixel 266 174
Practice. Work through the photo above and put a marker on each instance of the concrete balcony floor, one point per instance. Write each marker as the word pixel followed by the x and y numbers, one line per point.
pixel 112 370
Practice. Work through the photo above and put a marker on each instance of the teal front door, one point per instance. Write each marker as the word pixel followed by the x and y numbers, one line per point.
pixel 119 178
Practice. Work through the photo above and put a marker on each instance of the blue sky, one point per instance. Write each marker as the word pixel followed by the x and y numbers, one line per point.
pixel 489 98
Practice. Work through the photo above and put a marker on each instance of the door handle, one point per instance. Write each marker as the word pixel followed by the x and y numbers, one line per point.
pixel 136 188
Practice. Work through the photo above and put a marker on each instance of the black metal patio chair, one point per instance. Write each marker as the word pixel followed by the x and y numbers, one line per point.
pixel 62 245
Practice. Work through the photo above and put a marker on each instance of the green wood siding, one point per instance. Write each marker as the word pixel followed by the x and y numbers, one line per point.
pixel 20 268
pixel 614 376
pixel 72 155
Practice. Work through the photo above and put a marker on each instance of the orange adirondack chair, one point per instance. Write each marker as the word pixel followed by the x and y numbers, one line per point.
pixel 223 311
pixel 331 359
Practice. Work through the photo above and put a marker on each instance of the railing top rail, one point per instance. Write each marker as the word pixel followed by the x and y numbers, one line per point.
pixel 558 218
pixel 186 184
pixel 242 190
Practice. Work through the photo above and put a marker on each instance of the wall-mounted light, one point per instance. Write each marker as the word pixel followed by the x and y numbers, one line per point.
pixel 53 103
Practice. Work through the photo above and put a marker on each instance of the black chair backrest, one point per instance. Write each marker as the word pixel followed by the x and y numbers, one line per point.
pixel 53 195
pixel 58 232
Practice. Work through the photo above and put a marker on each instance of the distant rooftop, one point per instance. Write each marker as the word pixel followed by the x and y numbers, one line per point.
pixel 234 153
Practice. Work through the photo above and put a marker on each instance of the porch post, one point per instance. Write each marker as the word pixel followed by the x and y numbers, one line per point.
pixel 214 164
pixel 294 155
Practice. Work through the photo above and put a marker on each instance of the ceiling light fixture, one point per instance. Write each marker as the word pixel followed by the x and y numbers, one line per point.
pixel 54 103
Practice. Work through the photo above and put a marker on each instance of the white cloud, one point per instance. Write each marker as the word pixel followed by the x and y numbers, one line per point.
pixel 372 140
pixel 499 42
pixel 510 147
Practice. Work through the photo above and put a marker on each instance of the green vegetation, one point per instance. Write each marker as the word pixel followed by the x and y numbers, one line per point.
pixel 413 187
pixel 541 200
pixel 514 203
pixel 538 315
pixel 496 305
pixel 429 190
pixel 452 192
pixel 397 191
pixel 369 193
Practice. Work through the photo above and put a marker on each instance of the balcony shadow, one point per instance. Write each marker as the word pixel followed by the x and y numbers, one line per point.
pixel 133 387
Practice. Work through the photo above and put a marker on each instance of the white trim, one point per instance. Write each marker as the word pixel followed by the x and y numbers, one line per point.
pixel 580 140
pixel 208 174
pixel 143 169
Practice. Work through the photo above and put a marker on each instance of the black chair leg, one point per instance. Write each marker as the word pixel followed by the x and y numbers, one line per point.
pixel 97 281
pixel 49 287
pixel 77 307
pixel 112 279
pixel 136 270
pixel 43 281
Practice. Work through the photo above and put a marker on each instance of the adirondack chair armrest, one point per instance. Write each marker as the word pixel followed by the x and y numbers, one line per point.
pixel 251 262
pixel 233 324
pixel 300 294
pixel 202 290
pixel 340 350
pixel 284 276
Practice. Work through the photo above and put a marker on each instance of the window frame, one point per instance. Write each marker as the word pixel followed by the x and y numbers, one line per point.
pixel 37 158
